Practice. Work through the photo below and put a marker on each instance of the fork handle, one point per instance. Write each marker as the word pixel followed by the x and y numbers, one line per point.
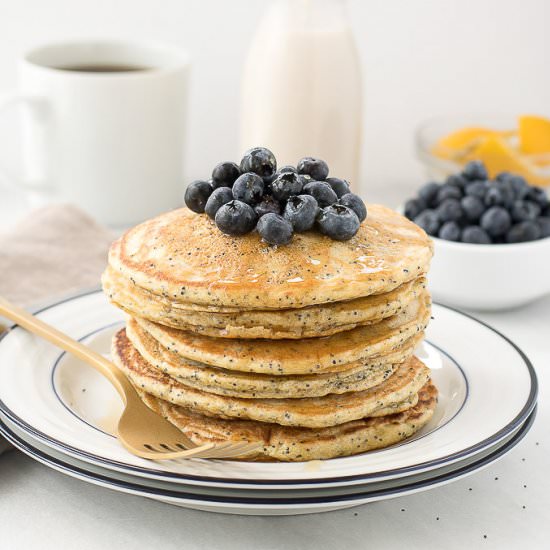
pixel 40 328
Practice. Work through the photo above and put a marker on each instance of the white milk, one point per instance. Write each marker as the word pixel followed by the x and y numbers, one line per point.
pixel 301 93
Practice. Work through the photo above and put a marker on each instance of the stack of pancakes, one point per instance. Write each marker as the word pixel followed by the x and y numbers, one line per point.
pixel 307 347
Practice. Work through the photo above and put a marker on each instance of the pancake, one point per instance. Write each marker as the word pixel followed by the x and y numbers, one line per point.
pixel 251 385
pixel 184 257
pixel 397 393
pixel 308 322
pixel 283 357
pixel 290 444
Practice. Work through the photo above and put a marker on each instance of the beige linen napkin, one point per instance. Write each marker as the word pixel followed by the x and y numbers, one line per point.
pixel 54 251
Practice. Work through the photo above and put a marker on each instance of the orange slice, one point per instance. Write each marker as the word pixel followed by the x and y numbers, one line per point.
pixel 459 144
pixel 499 156
pixel 456 144
pixel 534 135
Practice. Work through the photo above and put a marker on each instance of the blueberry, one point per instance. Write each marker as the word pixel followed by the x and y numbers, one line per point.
pixel 496 221
pixel 477 189
pixel 507 192
pixel 235 218
pixel 322 192
pixel 219 197
pixel 338 222
pixel 494 196
pixel 523 232
pixel 355 202
pixel 261 161
pixel 475 235
pixel 457 180
pixel 472 207
pixel 306 178
pixel 503 176
pixel 285 185
pixel 274 229
pixel 301 212
pixel 428 193
pixel 225 174
pixel 544 226
pixel 475 170
pixel 316 168
pixel 450 210
pixel 523 211
pixel 413 207
pixel 538 196
pixel 248 188
pixel 450 231
pixel 339 186
pixel 447 192
pixel 517 183
pixel 429 221
pixel 267 205
pixel 196 195
pixel 288 168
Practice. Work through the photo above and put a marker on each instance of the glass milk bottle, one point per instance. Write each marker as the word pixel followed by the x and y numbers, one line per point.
pixel 301 89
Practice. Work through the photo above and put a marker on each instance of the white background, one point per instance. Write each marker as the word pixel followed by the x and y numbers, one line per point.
pixel 420 58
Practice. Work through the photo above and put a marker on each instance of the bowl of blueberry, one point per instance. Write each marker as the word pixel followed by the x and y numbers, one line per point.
pixel 255 196
pixel 491 238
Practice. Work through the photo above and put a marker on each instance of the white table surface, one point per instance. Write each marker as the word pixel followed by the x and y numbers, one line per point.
pixel 504 506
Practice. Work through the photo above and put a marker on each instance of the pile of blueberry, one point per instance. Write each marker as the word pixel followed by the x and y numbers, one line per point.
pixel 277 203
pixel 470 208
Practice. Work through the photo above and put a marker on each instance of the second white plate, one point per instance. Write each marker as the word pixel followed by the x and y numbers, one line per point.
pixel 259 502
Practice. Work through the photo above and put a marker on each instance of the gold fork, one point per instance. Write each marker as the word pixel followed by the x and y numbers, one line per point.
pixel 142 431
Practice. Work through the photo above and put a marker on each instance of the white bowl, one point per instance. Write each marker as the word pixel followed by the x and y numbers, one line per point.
pixel 489 276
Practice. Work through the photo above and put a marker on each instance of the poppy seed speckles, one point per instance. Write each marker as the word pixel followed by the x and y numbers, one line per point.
pixel 306 347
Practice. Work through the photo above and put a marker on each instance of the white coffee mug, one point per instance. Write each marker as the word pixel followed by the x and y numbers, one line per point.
pixel 103 126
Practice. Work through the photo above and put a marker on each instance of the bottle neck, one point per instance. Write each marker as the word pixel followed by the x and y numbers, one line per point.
pixel 313 14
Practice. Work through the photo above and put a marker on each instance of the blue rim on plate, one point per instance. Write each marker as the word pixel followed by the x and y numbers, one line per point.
pixel 493 439
pixel 148 491
pixel 56 365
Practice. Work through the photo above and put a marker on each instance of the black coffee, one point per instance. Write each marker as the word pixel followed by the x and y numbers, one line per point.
pixel 103 68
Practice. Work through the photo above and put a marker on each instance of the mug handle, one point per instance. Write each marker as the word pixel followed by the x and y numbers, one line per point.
pixel 36 106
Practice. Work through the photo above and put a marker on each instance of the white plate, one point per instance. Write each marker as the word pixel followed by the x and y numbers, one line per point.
pixel 279 502
pixel 73 408
pixel 255 493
